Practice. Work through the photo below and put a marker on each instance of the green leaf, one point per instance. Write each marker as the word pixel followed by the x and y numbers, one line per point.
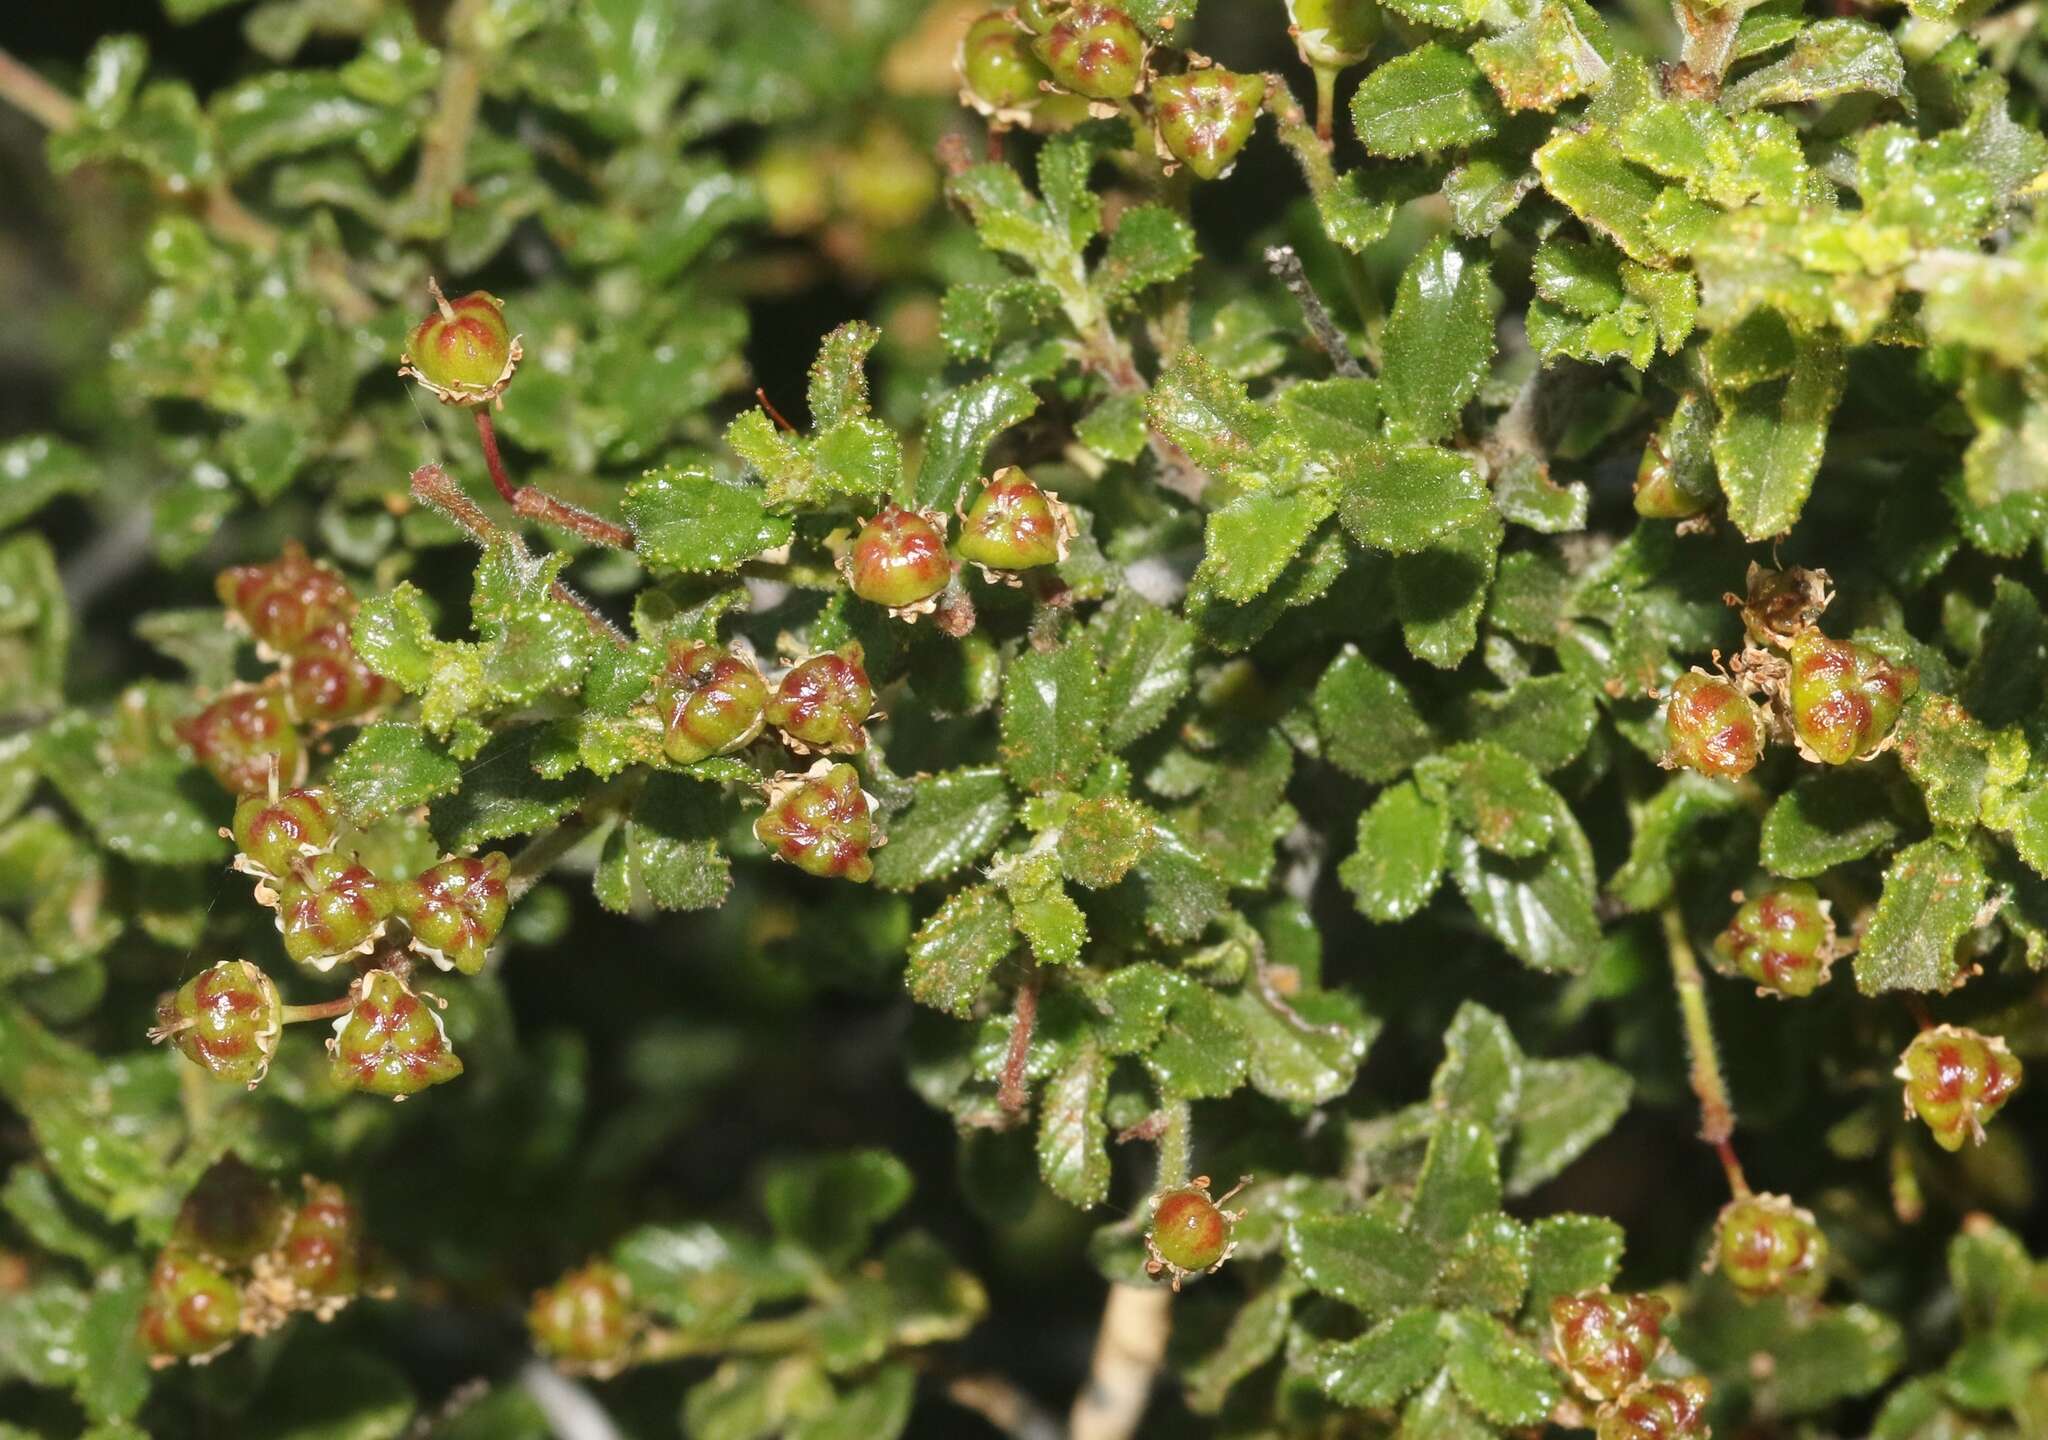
pixel 1440 593
pixel 689 521
pixel 1540 908
pixel 1438 340
pixel 1382 1366
pixel 1460 1180
pixel 1664 831
pixel 1480 1076
pixel 1207 414
pixel 1363 1259
pixel 1305 1050
pixel 1546 719
pixel 325 1392
pixel 1147 658
pixel 952 820
pixel 1368 725
pixel 1494 795
pixel 1955 761
pixel 952 955
pixel 1825 820
pixel 1566 1107
pixel 35 626
pixel 1151 246
pixel 832 1204
pixel 666 854
pixel 838 387
pixel 148 808
pixel 1399 861
pixel 1179 888
pixel 502 794
pixel 1504 1378
pixel 36 469
pixel 391 768
pixel 1255 1336
pixel 1202 1052
pixel 1252 539
pixel 876 1409
pixel 959 427
pixel 1828 57
pixel 1431 99
pixel 1053 713
pixel 1404 498
pixel 1768 438
pixel 1932 893
pixel 1073 1135
pixel 1569 1255
pixel 287 113
pixel 1587 173
pixel 534 643
pixel 1542 62
pixel 1044 914
pixel 33 1201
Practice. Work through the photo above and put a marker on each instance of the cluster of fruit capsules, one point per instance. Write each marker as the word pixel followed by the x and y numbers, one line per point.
pixel 1191 1233
pixel 1606 1343
pixel 243 1260
pixel 1783 940
pixel 587 1322
pixel 1838 700
pixel 1955 1080
pixel 1765 1245
pixel 299 611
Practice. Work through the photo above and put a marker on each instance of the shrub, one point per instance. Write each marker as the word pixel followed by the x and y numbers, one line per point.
pixel 1415 612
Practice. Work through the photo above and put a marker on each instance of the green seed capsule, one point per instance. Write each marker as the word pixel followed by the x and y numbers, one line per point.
pixel 226 1020
pixel 464 352
pixel 1334 34
pixel 1784 940
pixel 1845 697
pixel 1606 1342
pixel 1014 526
pixel 331 906
pixel 823 703
pixel 272 833
pixel 899 561
pixel 1956 1079
pixel 1095 50
pixel 1660 1410
pixel 585 1321
pixel 391 1042
pixel 1766 1245
pixel 710 701
pixel 455 909
pixel 191 1312
pixel 822 822
pixel 1713 727
pixel 999 76
pixel 1205 117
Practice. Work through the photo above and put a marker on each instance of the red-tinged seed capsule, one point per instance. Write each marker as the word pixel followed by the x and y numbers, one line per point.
pixel 823 703
pixel 1334 34
pixel 331 906
pixel 391 1042
pixel 226 1020
pixel 232 1215
pixel 999 76
pixel 191 1311
pixel 464 351
pixel 1845 697
pixel 899 561
pixel 455 909
pixel 1191 1231
pixel 1014 526
pixel 1659 1410
pixel 1713 727
pixel 1766 1245
pixel 1205 117
pixel 246 741
pixel 1606 1342
pixel 710 702
pixel 1783 939
pixel 327 682
pixel 1956 1079
pixel 586 1321
pixel 1095 50
pixel 822 822
pixel 272 833
pixel 283 601
pixel 320 1258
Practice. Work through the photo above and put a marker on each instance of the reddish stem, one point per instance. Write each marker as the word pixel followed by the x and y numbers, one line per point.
pixel 1922 1016
pixel 1013 1094
pixel 487 433
pixel 536 504
pixel 773 413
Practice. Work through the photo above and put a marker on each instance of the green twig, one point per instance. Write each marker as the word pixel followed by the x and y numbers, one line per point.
pixel 1717 1113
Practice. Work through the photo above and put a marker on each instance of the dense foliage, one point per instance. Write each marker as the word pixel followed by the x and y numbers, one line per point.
pixel 1433 604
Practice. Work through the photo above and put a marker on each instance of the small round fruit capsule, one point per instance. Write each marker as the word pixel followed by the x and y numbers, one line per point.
pixel 1783 939
pixel 1205 117
pixel 1659 1410
pixel 1956 1079
pixel 1845 698
pixel 899 561
pixel 319 1263
pixel 999 76
pixel 1606 1342
pixel 1095 50
pixel 585 1321
pixel 391 1042
pixel 330 906
pixel 464 352
pixel 1190 1231
pixel 1334 34
pixel 455 909
pixel 283 601
pixel 710 702
pixel 191 1312
pixel 823 703
pixel 272 832
pixel 232 1215
pixel 226 1020
pixel 327 682
pixel 1713 727
pixel 1676 478
pixel 822 822
pixel 1766 1245
pixel 246 741
pixel 1014 526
